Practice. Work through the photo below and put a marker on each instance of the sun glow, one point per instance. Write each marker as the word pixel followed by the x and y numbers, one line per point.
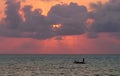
pixel 56 26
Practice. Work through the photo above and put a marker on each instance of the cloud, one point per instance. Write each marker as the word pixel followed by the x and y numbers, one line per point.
pixel 13 18
pixel 9 26
pixel 34 26
pixel 10 32
pixel 38 26
pixel 106 16
pixel 71 16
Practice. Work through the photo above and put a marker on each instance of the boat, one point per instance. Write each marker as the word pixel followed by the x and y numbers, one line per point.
pixel 78 62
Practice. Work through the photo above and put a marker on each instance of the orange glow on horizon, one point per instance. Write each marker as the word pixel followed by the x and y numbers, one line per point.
pixel 77 44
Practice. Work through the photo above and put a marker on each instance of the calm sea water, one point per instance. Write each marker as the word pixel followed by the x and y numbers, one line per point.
pixel 59 65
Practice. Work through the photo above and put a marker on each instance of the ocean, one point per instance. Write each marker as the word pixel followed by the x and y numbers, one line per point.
pixel 59 65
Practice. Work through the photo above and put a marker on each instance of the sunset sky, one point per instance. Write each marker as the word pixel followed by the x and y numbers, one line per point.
pixel 59 27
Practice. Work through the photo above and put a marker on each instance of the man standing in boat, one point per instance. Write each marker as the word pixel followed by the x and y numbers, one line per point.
pixel 83 60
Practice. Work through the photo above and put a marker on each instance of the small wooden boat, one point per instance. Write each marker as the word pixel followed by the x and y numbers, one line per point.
pixel 78 62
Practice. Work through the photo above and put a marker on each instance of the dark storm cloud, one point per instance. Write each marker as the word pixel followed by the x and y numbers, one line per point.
pixel 36 23
pixel 33 19
pixel 13 18
pixel 38 26
pixel 9 26
pixel 34 26
pixel 71 16
pixel 106 16
pixel 10 32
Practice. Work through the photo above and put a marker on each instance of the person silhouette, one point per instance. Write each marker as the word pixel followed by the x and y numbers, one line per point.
pixel 83 60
